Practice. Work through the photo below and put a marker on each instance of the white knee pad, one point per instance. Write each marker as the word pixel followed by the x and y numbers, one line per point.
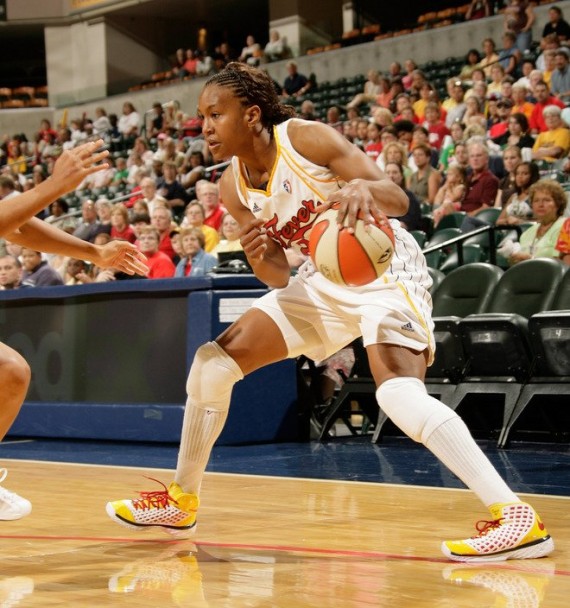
pixel 406 402
pixel 212 377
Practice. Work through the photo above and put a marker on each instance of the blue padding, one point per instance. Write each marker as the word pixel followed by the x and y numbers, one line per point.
pixel 130 422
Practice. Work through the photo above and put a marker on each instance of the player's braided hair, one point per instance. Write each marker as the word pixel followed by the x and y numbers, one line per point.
pixel 254 87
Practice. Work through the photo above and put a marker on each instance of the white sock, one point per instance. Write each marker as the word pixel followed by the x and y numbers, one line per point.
pixel 427 420
pixel 200 430
pixel 209 387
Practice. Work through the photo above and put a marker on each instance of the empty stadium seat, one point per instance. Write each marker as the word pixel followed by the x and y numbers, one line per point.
pixel 549 333
pixel 496 342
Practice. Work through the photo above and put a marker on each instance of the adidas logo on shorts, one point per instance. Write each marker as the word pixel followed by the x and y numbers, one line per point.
pixel 408 327
pixel 256 208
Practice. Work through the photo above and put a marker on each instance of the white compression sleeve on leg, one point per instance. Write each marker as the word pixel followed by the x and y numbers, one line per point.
pixel 209 387
pixel 425 419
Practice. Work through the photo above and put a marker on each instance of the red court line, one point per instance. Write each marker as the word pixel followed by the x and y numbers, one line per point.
pixel 379 555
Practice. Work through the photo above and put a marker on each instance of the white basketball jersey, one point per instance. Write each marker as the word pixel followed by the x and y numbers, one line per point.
pixel 296 186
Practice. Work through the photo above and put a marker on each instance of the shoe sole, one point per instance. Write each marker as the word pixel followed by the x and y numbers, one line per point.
pixel 177 532
pixel 533 551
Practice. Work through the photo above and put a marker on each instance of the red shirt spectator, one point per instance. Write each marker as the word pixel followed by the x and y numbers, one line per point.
pixel 543 99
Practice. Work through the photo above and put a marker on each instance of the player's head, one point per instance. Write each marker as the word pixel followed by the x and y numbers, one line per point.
pixel 253 87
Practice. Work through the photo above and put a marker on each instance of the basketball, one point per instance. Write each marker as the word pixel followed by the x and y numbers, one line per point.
pixel 349 259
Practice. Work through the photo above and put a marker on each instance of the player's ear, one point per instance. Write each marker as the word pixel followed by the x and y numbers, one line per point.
pixel 253 116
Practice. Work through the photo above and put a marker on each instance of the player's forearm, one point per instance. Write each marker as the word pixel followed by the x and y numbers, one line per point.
pixel 17 210
pixel 41 236
pixel 389 197
pixel 273 269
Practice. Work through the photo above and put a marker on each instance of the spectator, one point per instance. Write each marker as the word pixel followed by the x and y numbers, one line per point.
pixel 229 236
pixel 161 219
pixel 295 84
pixel 410 66
pixel 554 143
pixel 159 263
pixel 472 60
pixel 500 127
pixel 204 64
pixel 193 170
pixel 455 110
pixel 548 201
pixel 560 80
pixel 490 56
pixel 7 188
pixel 103 207
pixel 510 55
pixel 178 62
pixel 58 210
pixel 517 209
pixel 101 124
pixel 194 216
pixel 373 146
pixel 128 125
pixel 307 111
pixel 549 66
pixel 251 52
pixel 450 195
pixel 276 48
pixel 120 227
pixel 473 114
pixel 517 133
pixel 37 272
pixel 156 120
pixel 394 152
pixel 457 131
pixel 425 181
pixel 10 272
pixel 190 66
pixel 370 92
pixel 543 99
pixel 548 43
pixel 520 103
pixel 478 9
pixel 171 189
pixel 150 196
pixel 76 271
pixel 196 262
pixel 90 225
pixel 518 18
pixel 512 156
pixel 412 220
pixel 208 195
pixel 482 185
pixel 556 24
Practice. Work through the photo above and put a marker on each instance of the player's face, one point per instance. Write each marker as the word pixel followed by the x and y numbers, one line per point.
pixel 9 272
pixel 224 122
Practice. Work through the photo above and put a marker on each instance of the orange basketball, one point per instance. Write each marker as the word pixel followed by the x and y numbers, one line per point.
pixel 350 259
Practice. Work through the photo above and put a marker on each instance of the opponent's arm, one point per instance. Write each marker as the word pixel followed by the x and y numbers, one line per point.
pixel 69 171
pixel 265 256
pixel 41 236
pixel 367 190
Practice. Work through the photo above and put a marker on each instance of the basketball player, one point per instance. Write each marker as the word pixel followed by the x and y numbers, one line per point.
pixel 18 225
pixel 283 172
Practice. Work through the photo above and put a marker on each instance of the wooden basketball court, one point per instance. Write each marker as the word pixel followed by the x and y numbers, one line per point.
pixel 262 542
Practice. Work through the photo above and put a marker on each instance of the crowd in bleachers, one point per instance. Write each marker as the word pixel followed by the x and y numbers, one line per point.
pixel 471 141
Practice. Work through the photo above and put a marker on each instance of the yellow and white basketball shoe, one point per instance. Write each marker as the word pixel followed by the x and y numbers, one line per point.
pixel 515 532
pixel 170 508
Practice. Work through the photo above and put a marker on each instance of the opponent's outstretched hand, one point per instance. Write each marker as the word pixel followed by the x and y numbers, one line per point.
pixel 74 165
pixel 123 256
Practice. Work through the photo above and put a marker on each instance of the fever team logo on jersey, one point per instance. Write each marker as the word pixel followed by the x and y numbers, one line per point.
pixel 287 186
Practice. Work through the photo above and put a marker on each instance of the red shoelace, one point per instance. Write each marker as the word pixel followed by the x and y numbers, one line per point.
pixel 158 500
pixel 484 526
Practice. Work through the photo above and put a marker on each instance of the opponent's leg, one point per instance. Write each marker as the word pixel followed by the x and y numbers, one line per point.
pixel 515 530
pixel 14 379
pixel 250 343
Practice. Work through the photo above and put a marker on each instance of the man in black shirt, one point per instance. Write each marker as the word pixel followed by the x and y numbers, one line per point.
pixel 556 24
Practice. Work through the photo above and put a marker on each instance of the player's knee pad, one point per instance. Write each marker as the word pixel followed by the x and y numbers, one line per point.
pixel 212 377
pixel 406 402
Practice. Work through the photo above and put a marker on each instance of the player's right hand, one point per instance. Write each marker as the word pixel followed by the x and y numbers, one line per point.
pixel 254 239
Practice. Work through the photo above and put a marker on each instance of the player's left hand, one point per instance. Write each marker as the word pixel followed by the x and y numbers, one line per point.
pixel 124 257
